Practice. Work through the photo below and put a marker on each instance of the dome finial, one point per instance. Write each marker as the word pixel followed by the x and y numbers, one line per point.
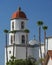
pixel 19 8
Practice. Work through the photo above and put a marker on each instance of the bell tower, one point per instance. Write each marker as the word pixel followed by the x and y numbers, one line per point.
pixel 17 35
pixel 18 24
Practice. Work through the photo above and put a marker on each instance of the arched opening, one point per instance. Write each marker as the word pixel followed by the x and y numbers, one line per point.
pixel 23 39
pixel 22 25
pixel 12 25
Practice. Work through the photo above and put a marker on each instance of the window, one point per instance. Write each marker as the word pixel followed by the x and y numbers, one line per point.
pixel 12 25
pixel 23 39
pixel 12 39
pixel 22 25
pixel 9 52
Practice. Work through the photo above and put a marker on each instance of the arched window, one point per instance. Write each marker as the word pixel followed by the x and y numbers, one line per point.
pixel 12 39
pixel 9 52
pixel 22 25
pixel 23 39
pixel 12 25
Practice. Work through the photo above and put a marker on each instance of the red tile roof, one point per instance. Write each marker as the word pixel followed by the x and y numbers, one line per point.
pixel 19 14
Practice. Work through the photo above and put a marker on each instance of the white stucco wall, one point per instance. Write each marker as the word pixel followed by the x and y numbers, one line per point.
pixel 30 52
pixel 5 57
pixel 49 43
pixel 18 38
pixel 36 53
pixel 21 52
pixel 10 49
pixel 17 24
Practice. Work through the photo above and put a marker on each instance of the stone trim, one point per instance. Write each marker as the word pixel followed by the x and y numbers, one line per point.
pixel 23 45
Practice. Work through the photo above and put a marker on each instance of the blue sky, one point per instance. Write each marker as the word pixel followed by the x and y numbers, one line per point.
pixel 35 10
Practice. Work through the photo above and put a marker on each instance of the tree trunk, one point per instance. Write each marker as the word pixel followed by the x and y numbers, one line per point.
pixel 40 43
pixel 44 44
pixel 6 49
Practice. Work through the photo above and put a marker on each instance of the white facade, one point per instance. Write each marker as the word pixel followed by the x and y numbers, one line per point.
pixel 20 52
pixel 49 43
pixel 33 49
pixel 36 53
pixel 17 24
pixel 17 27
pixel 17 37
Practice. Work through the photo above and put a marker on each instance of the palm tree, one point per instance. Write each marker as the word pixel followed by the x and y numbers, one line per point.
pixel 40 23
pixel 26 31
pixel 44 28
pixel 14 31
pixel 6 32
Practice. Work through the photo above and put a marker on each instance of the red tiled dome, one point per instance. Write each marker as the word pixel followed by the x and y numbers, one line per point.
pixel 19 14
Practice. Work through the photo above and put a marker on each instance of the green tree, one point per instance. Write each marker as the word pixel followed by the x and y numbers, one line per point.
pixel 40 23
pixel 26 31
pixel 21 61
pixel 11 61
pixel 6 32
pixel 44 28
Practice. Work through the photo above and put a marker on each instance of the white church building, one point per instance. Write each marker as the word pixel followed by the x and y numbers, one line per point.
pixel 18 23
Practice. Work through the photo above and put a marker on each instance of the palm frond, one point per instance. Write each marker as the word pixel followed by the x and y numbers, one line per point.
pixel 6 31
pixel 39 23
pixel 26 30
pixel 45 27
